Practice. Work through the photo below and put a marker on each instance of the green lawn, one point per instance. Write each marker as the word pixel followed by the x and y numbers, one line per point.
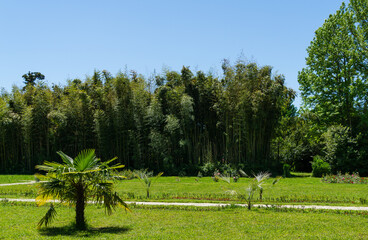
pixel 20 222
pixel 289 190
pixel 298 190
pixel 16 178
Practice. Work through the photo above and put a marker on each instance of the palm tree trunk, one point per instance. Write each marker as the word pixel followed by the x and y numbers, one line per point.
pixel 79 209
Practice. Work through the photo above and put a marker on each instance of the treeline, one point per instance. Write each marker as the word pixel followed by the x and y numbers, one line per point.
pixel 173 122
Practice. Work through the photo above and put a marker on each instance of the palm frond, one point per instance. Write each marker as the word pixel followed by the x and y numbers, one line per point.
pixel 53 189
pixel 243 173
pixel 49 166
pixel 48 218
pixel 42 199
pixel 158 175
pixel 40 176
pixel 225 178
pixel 66 159
pixel 86 160
pixel 104 195
pixel 276 180
pixel 262 176
pixel 106 163
pixel 121 203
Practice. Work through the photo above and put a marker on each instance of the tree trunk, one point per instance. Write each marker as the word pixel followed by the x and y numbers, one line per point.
pixel 79 208
pixel 148 193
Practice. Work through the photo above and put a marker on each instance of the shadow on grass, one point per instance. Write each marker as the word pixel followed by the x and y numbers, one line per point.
pixel 71 231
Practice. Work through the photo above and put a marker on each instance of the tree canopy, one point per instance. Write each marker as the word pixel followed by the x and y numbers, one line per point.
pixel 189 119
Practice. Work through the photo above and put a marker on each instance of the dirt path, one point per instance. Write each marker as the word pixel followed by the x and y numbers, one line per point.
pixel 221 205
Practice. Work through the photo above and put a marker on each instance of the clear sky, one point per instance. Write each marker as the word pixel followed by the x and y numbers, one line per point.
pixel 70 39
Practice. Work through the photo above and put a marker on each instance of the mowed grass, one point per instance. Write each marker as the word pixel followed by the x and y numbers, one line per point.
pixel 16 178
pixel 19 222
pixel 298 190
pixel 288 190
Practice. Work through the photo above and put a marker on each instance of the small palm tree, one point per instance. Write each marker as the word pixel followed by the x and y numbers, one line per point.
pixel 75 181
pixel 146 178
pixel 256 184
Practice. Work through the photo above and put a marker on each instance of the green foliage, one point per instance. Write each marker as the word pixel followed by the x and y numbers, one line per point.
pixel 48 218
pixel 147 179
pixel 189 120
pixel 353 178
pixel 208 169
pixel 298 139
pixel 31 77
pixel 332 83
pixel 254 186
pixel 320 167
pixel 286 170
pixel 340 149
pixel 75 182
pixel 334 87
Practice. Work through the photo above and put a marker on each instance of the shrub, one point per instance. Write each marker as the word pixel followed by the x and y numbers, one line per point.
pixel 235 178
pixel 340 149
pixel 320 167
pixel 216 176
pixel 353 178
pixel 286 170
pixel 208 168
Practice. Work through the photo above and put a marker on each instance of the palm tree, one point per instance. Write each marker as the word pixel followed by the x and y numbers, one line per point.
pixel 75 181
pixel 146 178
pixel 256 184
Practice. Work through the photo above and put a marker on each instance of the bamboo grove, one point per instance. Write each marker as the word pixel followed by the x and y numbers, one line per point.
pixel 172 122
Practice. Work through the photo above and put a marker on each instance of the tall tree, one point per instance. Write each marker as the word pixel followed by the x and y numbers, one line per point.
pixel 31 77
pixel 332 84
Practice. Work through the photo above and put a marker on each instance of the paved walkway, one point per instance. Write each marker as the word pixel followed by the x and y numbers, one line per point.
pixel 220 205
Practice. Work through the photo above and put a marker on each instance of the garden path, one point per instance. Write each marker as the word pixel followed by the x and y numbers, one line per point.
pixel 22 183
pixel 317 207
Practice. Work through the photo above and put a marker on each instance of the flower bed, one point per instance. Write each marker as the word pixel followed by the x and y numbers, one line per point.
pixel 353 178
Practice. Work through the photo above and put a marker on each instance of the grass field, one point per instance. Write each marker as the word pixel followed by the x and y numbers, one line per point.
pixel 147 222
pixel 186 223
pixel 298 190
pixel 16 178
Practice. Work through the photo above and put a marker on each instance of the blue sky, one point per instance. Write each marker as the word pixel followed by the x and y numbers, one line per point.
pixel 70 39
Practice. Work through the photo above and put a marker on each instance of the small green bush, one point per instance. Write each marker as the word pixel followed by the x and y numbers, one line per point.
pixel 208 168
pixel 286 170
pixel 320 167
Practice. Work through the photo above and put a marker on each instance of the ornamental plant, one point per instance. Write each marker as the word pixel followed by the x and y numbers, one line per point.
pixel 353 178
pixel 216 176
pixel 255 185
pixel 146 178
pixel 77 181
pixel 320 167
